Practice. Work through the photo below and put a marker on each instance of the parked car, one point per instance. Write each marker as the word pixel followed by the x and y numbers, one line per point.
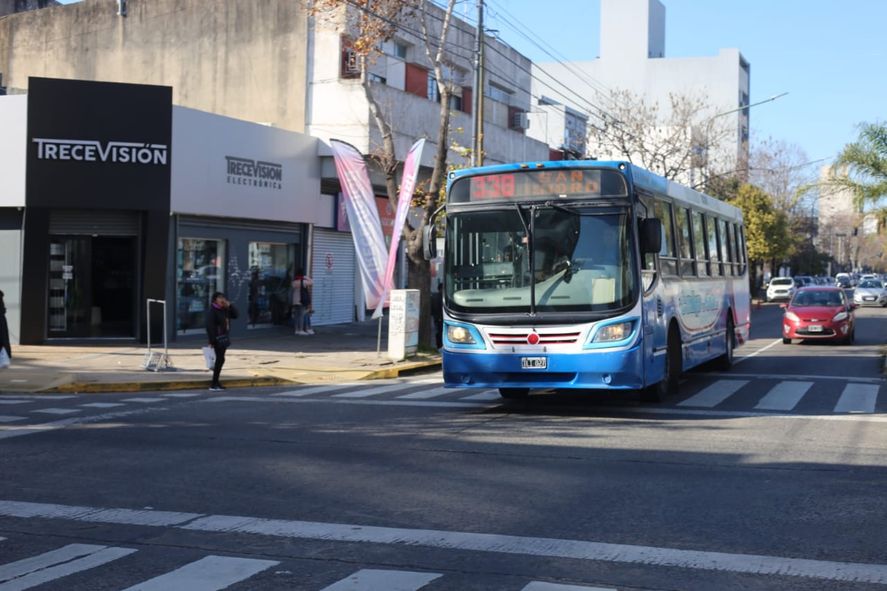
pixel 781 288
pixel 843 280
pixel 803 281
pixel 820 313
pixel 870 292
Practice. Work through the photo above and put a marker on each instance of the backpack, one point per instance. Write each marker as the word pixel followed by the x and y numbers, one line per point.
pixel 304 295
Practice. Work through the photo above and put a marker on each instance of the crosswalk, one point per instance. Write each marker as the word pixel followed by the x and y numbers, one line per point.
pixel 734 392
pixel 211 572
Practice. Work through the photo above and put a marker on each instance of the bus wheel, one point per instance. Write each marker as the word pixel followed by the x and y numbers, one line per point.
pixel 725 361
pixel 668 386
pixel 514 393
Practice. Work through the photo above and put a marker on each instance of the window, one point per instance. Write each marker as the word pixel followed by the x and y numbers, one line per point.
pixel 455 102
pixel 725 250
pixel 740 248
pixel 667 254
pixel 686 245
pixel 731 248
pixel 200 271
pixel 377 78
pixel 400 50
pixel 500 93
pixel 432 93
pixel 350 66
pixel 699 243
pixel 270 267
pixel 711 227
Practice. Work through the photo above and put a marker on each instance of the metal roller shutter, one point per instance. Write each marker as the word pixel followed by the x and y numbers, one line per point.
pixel 99 222
pixel 332 269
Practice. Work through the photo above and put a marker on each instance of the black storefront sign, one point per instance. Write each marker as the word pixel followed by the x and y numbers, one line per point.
pixel 96 147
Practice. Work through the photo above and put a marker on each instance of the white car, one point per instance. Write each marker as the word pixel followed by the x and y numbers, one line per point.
pixel 781 288
pixel 870 292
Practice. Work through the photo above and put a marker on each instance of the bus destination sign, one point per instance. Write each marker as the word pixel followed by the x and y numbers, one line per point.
pixel 528 184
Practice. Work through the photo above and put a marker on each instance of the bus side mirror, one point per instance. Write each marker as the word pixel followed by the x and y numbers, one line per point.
pixel 651 235
pixel 429 242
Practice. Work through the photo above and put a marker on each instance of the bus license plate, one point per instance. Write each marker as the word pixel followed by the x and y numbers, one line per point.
pixel 534 362
pixel 814 328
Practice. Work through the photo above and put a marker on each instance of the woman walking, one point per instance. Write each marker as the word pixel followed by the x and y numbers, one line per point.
pixel 4 333
pixel 218 327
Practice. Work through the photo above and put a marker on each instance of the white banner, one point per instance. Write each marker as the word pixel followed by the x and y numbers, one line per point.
pixel 407 185
pixel 366 229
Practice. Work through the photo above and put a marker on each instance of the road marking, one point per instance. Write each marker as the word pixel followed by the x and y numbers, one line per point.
pixel 485 395
pixel 475 542
pixel 319 389
pixel 360 402
pixel 144 400
pixel 857 398
pixel 44 397
pixel 739 359
pixel 102 404
pixel 771 376
pixel 426 394
pixel 14 401
pixel 207 574
pixel 715 393
pixel 784 396
pixel 180 395
pixel 10 431
pixel 56 564
pixel 57 411
pixel 10 419
pixel 367 392
pixel 389 580
pixel 540 586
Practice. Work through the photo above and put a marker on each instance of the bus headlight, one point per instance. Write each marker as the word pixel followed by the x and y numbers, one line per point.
pixel 460 335
pixel 614 332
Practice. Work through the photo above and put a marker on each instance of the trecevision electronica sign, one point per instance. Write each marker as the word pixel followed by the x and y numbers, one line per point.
pixel 254 173
pixel 96 151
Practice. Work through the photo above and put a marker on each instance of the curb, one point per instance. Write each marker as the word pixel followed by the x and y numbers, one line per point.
pixel 107 387
pixel 403 369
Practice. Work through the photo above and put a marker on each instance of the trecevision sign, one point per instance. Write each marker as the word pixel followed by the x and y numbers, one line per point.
pixel 96 151
pixel 254 173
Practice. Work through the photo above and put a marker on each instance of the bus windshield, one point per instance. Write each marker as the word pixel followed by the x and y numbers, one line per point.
pixel 576 260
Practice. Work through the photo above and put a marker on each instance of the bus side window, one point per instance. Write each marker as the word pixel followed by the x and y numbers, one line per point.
pixel 711 227
pixel 667 255
pixel 683 219
pixel 726 257
pixel 699 244
pixel 740 251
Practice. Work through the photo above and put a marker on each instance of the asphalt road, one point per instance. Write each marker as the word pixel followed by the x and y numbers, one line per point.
pixel 771 476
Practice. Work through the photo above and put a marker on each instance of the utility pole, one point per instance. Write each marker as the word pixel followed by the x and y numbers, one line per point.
pixel 477 149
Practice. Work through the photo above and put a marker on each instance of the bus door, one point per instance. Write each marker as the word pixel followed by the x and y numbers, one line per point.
pixel 654 301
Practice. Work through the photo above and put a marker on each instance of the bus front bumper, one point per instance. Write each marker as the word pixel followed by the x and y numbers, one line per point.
pixel 607 370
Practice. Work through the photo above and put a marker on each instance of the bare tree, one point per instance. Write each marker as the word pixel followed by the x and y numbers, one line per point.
pixel 369 23
pixel 783 170
pixel 684 140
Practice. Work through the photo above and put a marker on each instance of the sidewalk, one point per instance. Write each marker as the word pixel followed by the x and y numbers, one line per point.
pixel 339 353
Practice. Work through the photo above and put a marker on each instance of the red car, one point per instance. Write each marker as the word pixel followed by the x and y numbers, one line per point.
pixel 821 313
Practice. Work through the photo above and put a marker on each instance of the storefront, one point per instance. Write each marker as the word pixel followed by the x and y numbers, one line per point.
pixel 111 195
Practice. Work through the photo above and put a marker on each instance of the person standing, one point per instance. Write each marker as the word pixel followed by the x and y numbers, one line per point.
pixel 218 328
pixel 4 329
pixel 437 314
pixel 302 297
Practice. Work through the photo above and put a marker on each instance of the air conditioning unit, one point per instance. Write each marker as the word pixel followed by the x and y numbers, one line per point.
pixel 520 120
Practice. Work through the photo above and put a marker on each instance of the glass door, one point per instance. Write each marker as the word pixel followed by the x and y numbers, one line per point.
pixel 69 286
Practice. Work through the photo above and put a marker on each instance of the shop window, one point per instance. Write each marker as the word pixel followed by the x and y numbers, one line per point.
pixel 200 271
pixel 271 267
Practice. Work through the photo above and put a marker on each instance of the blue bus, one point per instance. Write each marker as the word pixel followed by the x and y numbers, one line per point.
pixel 587 275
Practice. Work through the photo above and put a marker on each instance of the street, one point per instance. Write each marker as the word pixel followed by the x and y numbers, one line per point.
pixel 770 476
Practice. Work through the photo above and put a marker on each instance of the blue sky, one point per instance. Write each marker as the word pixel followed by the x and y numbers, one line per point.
pixel 830 56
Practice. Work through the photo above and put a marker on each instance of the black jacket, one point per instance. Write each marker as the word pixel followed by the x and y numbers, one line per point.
pixel 218 321
pixel 4 332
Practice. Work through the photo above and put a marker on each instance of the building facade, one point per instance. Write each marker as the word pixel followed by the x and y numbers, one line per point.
pixel 632 58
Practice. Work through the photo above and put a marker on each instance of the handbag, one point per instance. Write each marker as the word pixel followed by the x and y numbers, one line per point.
pixel 223 341
pixel 209 356
pixel 4 358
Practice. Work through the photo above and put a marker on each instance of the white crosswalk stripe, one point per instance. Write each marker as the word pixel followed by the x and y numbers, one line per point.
pixel 426 394
pixel 857 398
pixel 181 395
pixel 143 400
pixel 207 574
pixel 542 586
pixel 14 401
pixel 57 411
pixel 784 396
pixel 714 394
pixel 367 392
pixel 10 418
pixel 49 566
pixel 318 389
pixel 383 580
pixel 102 404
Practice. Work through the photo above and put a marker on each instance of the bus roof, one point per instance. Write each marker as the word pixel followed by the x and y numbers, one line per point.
pixel 641 178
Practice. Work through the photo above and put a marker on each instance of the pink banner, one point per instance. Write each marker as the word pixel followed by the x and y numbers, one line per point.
pixel 366 229
pixel 407 185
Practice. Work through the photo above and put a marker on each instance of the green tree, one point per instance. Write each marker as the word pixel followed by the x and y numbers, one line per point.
pixel 865 161
pixel 766 229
